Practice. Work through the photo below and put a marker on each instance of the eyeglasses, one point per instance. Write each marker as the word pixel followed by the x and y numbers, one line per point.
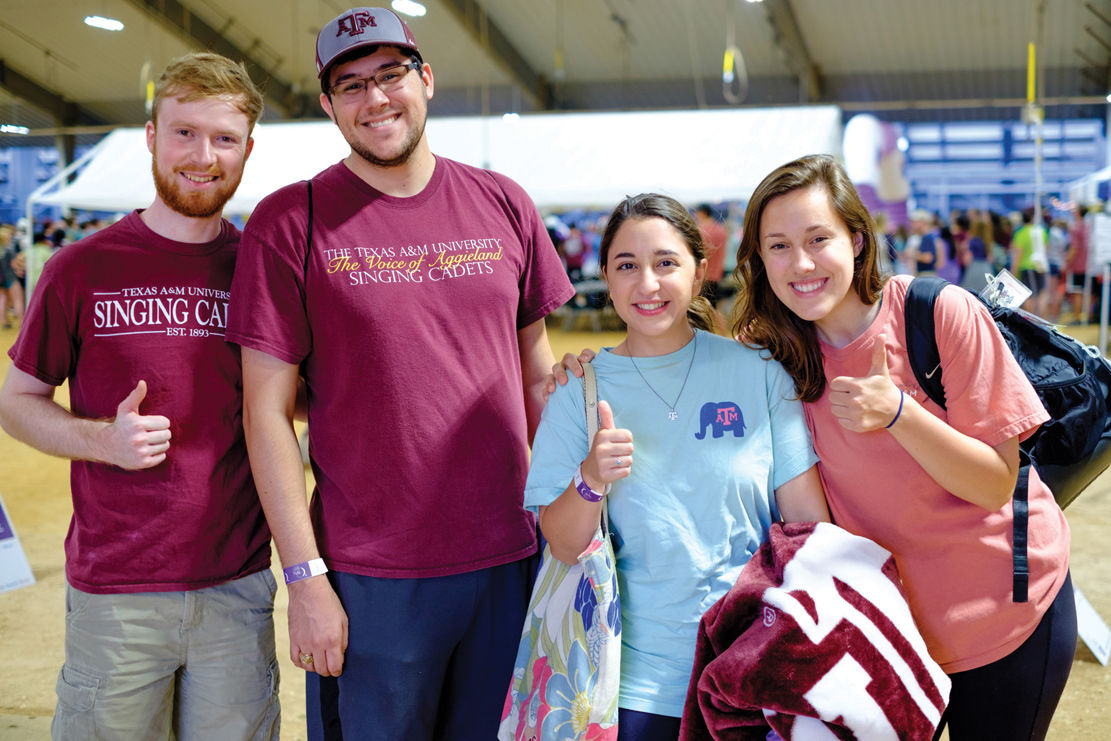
pixel 387 80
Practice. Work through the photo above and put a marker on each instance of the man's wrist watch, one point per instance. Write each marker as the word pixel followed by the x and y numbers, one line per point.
pixel 584 488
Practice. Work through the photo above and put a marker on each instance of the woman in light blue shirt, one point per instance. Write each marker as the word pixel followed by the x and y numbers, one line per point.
pixel 701 447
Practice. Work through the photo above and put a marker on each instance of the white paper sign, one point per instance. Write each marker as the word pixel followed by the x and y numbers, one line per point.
pixel 1099 241
pixel 15 572
pixel 1093 631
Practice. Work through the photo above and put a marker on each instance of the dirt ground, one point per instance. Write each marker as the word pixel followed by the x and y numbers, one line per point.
pixel 36 491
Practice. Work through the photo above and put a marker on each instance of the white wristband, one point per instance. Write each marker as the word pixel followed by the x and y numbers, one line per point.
pixel 304 570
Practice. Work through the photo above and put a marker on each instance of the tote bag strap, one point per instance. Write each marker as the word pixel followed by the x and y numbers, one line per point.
pixel 590 399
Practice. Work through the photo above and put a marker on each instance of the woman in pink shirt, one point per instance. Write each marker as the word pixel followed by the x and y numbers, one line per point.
pixel 932 486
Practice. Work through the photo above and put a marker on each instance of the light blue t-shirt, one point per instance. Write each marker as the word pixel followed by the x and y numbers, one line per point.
pixel 699 499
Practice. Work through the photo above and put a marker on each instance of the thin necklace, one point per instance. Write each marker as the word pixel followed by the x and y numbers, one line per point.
pixel 671 413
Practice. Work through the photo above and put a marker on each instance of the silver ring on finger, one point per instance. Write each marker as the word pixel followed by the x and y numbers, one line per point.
pixel 619 462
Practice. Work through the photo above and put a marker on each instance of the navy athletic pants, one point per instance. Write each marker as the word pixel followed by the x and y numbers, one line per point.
pixel 634 725
pixel 1015 697
pixel 426 658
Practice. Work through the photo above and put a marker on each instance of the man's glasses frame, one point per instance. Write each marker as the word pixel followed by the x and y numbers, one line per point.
pixel 387 80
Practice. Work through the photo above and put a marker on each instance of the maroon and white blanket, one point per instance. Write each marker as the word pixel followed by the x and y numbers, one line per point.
pixel 816 641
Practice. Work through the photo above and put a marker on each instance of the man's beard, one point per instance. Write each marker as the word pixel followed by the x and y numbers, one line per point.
pixel 407 148
pixel 193 205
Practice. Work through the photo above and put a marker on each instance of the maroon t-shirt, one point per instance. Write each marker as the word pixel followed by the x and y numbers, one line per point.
pixel 404 318
pixel 126 304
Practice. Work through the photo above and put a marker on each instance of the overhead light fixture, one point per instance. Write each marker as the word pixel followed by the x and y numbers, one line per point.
pixel 408 7
pixel 99 21
pixel 13 129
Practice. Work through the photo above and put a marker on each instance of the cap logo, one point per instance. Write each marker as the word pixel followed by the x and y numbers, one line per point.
pixel 354 23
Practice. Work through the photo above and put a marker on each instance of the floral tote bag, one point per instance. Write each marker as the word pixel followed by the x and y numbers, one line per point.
pixel 568 667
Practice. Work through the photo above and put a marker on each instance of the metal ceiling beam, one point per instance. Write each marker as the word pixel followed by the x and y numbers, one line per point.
pixel 66 112
pixel 1105 69
pixel 963 103
pixel 789 38
pixel 486 32
pixel 173 15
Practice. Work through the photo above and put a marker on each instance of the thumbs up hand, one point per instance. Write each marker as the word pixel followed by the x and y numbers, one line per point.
pixel 611 455
pixel 133 441
pixel 869 402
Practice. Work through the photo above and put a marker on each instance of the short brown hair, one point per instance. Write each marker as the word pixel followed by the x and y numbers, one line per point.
pixel 759 318
pixel 206 75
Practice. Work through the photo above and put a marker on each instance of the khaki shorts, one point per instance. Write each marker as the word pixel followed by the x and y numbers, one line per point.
pixel 157 665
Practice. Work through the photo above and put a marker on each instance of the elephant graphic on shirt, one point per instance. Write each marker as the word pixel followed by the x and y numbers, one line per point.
pixel 722 415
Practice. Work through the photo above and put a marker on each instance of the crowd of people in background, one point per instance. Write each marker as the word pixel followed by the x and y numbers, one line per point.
pixel 968 249
pixel 49 236
pixel 1050 258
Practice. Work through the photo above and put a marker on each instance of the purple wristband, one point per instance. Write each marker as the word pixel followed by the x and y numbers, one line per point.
pixel 584 488
pixel 303 570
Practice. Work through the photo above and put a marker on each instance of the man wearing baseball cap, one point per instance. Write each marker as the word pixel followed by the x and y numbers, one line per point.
pixel 410 292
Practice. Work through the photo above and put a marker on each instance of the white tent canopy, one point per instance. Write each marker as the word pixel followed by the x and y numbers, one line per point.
pixel 562 160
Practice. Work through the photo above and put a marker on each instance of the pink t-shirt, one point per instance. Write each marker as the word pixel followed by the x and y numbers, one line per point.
pixel 1078 238
pixel 126 304
pixel 406 332
pixel 954 557
pixel 713 234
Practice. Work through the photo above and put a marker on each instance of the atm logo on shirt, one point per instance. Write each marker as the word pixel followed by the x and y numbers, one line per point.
pixel 720 416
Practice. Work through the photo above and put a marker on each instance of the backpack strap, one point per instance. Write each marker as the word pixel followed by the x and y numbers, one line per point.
pixel 1020 514
pixel 921 337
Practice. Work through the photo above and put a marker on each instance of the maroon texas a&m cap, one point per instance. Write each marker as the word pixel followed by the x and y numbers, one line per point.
pixel 360 27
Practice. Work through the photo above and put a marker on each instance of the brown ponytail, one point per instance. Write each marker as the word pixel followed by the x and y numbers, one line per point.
pixel 701 315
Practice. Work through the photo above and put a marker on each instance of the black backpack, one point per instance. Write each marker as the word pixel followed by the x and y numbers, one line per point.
pixel 1073 382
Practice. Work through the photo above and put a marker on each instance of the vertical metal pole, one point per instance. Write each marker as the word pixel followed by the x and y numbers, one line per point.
pixel 1103 303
